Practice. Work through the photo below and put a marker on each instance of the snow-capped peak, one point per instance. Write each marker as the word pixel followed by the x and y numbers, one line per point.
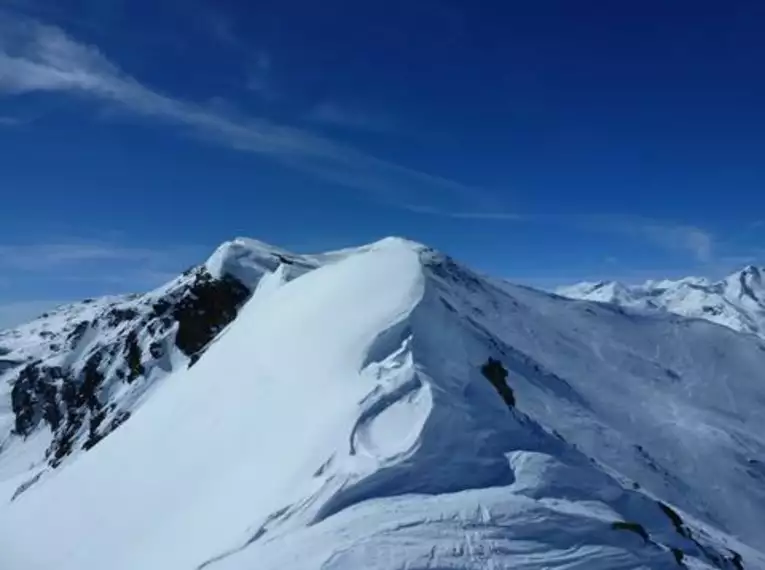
pixel 737 301
pixel 248 259
pixel 385 407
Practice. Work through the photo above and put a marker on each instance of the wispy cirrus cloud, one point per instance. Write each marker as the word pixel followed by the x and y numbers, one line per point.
pixel 344 116
pixel 50 256
pixel 695 241
pixel 82 268
pixel 39 58
pixel 486 215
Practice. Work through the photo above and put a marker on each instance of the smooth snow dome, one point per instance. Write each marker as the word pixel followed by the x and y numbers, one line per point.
pixel 342 421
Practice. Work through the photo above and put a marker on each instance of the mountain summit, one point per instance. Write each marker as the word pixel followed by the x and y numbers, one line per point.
pixel 381 407
pixel 737 302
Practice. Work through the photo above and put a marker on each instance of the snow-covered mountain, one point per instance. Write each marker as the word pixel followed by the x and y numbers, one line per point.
pixel 74 374
pixel 381 407
pixel 738 301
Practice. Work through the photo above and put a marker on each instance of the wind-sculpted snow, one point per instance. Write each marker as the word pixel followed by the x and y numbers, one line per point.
pixel 343 421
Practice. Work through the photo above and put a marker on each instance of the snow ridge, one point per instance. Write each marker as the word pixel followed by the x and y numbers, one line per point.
pixel 343 420
pixel 737 302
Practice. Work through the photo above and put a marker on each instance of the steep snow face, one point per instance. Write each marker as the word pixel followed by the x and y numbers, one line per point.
pixel 670 404
pixel 70 377
pixel 226 442
pixel 737 302
pixel 343 421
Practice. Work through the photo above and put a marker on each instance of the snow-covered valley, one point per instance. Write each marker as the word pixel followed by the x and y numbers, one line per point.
pixel 340 411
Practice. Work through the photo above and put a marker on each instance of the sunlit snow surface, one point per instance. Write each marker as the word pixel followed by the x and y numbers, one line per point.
pixel 737 302
pixel 341 422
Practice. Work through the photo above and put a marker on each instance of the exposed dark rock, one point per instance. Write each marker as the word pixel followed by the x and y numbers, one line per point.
pixel 679 556
pixel 652 463
pixel 93 434
pixel 71 401
pixel 34 397
pixel 77 333
pixel 25 485
pixel 153 326
pixel 24 401
pixel 116 315
pixel 677 522
pixel 672 374
pixel 92 378
pixel 497 375
pixel 133 357
pixel 120 418
pixel 284 259
pixel 206 308
pixel 160 307
pixel 80 399
pixel 6 364
pixel 632 527
pixel 69 396
pixel 63 444
pixel 156 349
pixel 49 400
pixel 447 269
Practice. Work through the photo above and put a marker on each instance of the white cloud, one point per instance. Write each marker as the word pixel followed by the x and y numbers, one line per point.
pixel 36 57
pixel 678 237
pixel 54 255
pixel 696 241
pixel 84 269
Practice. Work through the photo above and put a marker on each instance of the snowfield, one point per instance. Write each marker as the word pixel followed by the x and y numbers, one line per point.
pixel 342 420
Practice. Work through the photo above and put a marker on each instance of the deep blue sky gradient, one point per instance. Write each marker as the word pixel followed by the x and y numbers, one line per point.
pixel 611 139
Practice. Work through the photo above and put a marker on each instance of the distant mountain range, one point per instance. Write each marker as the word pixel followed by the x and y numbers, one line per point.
pixel 737 302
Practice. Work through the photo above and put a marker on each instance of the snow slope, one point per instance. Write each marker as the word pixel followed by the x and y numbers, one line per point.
pixel 70 377
pixel 342 421
pixel 737 302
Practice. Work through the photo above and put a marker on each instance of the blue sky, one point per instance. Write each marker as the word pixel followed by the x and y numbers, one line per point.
pixel 546 141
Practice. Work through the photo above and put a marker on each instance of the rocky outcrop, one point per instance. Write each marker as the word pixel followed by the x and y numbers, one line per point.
pixel 207 307
pixel 123 343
